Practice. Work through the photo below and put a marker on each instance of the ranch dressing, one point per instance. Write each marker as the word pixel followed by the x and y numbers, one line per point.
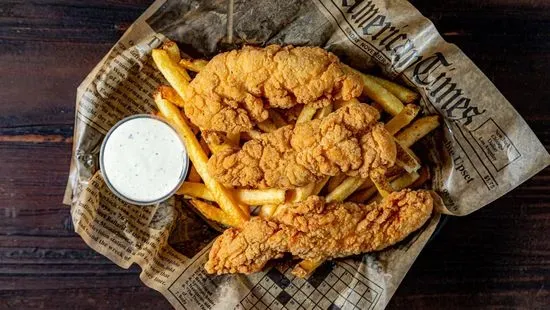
pixel 143 160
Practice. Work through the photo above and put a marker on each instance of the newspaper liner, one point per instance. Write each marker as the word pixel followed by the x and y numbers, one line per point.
pixel 483 150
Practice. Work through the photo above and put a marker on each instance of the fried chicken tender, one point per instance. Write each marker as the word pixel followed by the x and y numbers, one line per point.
pixel 349 140
pixel 236 89
pixel 313 229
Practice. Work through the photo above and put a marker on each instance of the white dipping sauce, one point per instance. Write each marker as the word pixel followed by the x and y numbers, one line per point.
pixel 143 159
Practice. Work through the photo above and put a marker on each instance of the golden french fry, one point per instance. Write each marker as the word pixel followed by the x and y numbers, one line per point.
pixel 344 190
pixel 394 171
pixel 319 185
pixel 277 118
pixel 301 193
pixel 194 65
pixel 404 94
pixel 174 74
pixel 363 195
pixel 404 181
pixel 406 158
pixel 382 185
pixel 195 190
pixel 170 94
pixel 267 126
pixel 198 157
pixel 252 197
pixel 378 107
pixel 368 184
pixel 306 114
pixel 172 49
pixel 402 119
pixel 213 213
pixel 335 181
pixel 399 183
pixel 417 130
pixel 193 175
pixel 324 111
pixel 256 197
pixel 379 94
pixel 306 267
pixel 267 211
pixel 234 138
pixel 297 195
pixel 424 176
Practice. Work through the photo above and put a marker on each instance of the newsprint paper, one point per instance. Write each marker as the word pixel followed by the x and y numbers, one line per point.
pixel 483 150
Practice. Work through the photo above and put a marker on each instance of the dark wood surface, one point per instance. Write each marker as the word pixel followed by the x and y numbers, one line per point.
pixel 498 257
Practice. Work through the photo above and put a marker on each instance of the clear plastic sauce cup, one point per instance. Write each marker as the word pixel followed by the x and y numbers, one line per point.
pixel 143 160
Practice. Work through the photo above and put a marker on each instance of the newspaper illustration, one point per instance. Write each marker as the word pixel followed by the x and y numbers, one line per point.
pixel 484 149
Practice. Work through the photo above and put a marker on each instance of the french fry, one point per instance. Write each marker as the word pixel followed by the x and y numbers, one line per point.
pixel 379 94
pixel 406 158
pixel 277 118
pixel 252 197
pixel 306 267
pixel 378 107
pixel 257 197
pixel 193 175
pixel 404 94
pixel 172 49
pixel 424 176
pixel 234 139
pixel 399 183
pixel 394 171
pixel 174 74
pixel 417 130
pixel 222 195
pixel 170 94
pixel 344 190
pixel 297 195
pixel 368 184
pixel 363 195
pixel 323 112
pixel 267 126
pixel 267 211
pixel 194 65
pixel 195 190
pixel 319 186
pixel 301 193
pixel 382 185
pixel 335 181
pixel 306 114
pixel 402 119
pixel 404 181
pixel 213 213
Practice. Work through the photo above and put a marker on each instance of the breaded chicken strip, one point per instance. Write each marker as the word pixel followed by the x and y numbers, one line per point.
pixel 349 140
pixel 313 229
pixel 236 89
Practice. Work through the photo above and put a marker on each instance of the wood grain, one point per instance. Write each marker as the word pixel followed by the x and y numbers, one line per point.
pixel 497 257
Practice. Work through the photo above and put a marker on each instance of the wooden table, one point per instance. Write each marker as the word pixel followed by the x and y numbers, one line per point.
pixel 498 257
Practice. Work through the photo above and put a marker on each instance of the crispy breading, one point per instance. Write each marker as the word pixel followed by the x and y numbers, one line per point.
pixel 313 229
pixel 349 140
pixel 236 89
